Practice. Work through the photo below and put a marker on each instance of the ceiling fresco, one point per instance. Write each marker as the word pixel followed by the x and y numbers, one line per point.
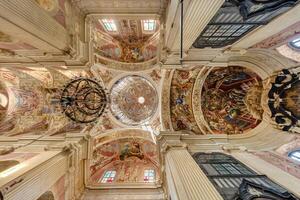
pixel 181 93
pixel 128 44
pixel 56 8
pixel 134 100
pixel 231 100
pixel 221 101
pixel 32 106
pixel 128 157
pixel 9 45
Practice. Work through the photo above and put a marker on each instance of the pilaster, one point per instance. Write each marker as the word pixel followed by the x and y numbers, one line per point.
pixel 185 179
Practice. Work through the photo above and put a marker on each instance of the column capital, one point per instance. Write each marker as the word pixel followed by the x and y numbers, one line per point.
pixel 170 140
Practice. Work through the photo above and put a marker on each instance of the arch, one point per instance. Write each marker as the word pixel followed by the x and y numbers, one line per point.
pixel 47 196
pixel 6 164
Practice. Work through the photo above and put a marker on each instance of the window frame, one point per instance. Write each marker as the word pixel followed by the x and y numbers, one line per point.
pixel 109 25
pixel 148 21
pixel 114 172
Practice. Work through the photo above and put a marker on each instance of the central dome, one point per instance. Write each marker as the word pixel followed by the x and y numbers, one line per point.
pixel 133 100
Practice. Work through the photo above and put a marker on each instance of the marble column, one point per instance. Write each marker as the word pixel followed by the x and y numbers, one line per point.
pixel 185 179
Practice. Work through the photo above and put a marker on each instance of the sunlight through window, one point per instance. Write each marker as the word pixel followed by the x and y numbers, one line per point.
pixel 149 25
pixel 109 25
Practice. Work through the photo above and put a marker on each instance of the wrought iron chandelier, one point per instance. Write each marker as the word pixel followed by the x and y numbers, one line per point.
pixel 83 100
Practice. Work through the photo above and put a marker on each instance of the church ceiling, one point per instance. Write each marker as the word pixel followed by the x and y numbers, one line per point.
pixel 125 40
pixel 128 154
pixel 134 100
pixel 221 101
pixel 56 8
pixel 231 100
pixel 31 94
pixel 124 90
pixel 9 45
pixel 182 115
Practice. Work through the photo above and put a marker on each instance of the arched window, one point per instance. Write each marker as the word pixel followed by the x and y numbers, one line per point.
pixel 295 155
pixel 295 43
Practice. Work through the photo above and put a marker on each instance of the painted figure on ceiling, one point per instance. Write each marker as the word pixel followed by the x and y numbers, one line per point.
pixel 224 102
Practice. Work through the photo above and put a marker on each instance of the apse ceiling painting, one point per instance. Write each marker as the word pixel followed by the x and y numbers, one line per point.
pixel 124 161
pixel 231 100
pixel 126 40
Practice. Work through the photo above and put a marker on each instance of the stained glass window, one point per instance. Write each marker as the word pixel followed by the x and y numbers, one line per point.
pixel 109 25
pixel 149 25
pixel 149 176
pixel 295 155
pixel 108 177
pixel 295 43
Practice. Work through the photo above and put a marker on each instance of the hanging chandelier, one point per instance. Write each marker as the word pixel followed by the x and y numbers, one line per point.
pixel 83 100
